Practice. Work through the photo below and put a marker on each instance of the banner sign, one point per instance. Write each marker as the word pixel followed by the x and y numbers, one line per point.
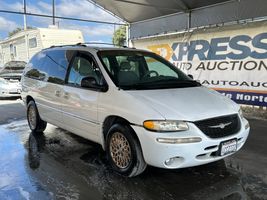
pixel 233 62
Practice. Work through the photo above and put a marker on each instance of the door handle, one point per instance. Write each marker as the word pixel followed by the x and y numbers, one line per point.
pixel 57 93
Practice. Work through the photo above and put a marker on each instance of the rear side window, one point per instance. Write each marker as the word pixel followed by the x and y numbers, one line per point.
pixel 50 66
pixel 55 65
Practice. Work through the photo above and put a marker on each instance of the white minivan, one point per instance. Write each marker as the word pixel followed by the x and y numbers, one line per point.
pixel 138 106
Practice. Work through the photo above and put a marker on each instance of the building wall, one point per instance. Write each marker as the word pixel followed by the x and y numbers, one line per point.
pixel 19 47
pixel 50 37
pixel 39 44
pixel 42 37
pixel 1 57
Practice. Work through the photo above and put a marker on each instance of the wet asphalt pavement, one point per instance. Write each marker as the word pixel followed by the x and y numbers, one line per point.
pixel 60 165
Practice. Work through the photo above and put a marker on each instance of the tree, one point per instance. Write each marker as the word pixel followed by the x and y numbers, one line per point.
pixel 119 36
pixel 11 33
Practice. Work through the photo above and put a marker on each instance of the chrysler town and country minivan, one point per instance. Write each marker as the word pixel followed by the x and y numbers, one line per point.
pixel 138 106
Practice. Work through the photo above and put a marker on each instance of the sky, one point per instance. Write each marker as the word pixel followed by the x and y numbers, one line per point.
pixel 68 8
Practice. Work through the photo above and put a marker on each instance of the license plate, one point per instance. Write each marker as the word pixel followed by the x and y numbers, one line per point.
pixel 228 147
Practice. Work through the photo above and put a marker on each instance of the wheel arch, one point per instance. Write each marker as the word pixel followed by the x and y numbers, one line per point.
pixel 28 99
pixel 109 122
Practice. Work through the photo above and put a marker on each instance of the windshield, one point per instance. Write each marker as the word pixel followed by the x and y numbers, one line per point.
pixel 133 70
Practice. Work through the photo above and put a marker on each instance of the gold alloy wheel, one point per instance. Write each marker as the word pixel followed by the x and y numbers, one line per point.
pixel 32 117
pixel 120 150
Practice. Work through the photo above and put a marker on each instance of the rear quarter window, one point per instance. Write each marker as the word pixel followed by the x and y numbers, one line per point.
pixel 33 69
pixel 50 66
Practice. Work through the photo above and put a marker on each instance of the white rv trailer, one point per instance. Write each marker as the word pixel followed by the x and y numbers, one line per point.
pixel 15 47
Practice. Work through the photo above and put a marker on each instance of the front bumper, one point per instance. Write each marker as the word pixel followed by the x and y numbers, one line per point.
pixel 8 94
pixel 185 154
pixel 10 91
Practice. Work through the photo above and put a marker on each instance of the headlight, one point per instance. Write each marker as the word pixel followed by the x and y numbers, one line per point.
pixel 165 126
pixel 240 112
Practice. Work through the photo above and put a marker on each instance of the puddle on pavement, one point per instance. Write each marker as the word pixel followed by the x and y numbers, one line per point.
pixel 60 165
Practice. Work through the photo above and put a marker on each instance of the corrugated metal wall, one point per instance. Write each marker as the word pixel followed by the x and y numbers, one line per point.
pixel 217 14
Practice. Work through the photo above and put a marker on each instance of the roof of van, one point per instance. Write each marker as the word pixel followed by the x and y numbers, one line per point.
pixel 96 48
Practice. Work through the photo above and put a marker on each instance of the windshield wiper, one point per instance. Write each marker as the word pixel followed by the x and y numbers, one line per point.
pixel 136 86
pixel 190 82
pixel 174 81
pixel 161 84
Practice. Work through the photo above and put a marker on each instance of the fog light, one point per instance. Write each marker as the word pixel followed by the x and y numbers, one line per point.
pixel 247 126
pixel 179 140
pixel 169 161
pixel 174 162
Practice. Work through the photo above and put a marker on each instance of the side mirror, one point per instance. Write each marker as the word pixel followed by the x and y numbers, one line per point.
pixel 191 76
pixel 91 83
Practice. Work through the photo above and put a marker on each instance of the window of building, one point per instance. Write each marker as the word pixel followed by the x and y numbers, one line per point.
pixel 33 42
pixel 15 51
pixel 11 47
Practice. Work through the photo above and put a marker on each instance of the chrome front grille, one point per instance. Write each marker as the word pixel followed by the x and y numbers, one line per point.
pixel 220 126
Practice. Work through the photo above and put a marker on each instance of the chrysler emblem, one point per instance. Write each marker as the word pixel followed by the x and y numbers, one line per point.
pixel 221 126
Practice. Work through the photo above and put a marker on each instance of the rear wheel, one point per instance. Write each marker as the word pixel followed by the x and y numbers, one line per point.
pixel 124 151
pixel 36 124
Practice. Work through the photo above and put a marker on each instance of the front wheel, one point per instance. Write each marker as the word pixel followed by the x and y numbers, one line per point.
pixel 124 151
pixel 36 124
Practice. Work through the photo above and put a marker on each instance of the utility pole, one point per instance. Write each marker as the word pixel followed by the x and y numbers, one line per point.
pixel 24 16
pixel 127 27
pixel 189 20
pixel 53 10
pixel 25 29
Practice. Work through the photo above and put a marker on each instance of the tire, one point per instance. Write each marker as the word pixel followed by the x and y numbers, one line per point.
pixel 124 151
pixel 36 124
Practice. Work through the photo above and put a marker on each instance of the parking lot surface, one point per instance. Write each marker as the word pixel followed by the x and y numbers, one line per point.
pixel 60 165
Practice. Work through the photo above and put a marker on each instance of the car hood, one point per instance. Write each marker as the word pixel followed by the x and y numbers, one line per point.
pixel 189 104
